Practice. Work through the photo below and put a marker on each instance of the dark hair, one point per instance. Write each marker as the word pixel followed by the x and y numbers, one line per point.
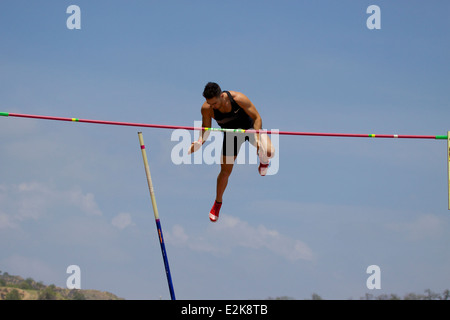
pixel 212 90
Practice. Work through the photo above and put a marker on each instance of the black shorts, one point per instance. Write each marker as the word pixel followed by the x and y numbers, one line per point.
pixel 232 142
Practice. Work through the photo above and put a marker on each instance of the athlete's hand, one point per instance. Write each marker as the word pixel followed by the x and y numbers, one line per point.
pixel 195 146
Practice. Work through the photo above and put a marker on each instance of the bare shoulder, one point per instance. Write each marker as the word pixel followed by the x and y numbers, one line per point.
pixel 206 110
pixel 241 99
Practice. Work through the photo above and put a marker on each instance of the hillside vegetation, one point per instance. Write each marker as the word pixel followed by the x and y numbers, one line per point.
pixel 17 288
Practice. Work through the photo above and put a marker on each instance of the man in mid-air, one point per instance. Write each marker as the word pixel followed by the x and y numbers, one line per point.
pixel 232 110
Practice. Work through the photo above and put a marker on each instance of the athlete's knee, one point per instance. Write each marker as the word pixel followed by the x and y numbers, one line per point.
pixel 266 148
pixel 270 152
pixel 267 151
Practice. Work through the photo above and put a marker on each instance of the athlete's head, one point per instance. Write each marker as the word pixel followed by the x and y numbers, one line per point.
pixel 213 95
pixel 212 90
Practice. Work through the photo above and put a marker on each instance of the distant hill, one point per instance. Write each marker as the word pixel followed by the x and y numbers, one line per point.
pixel 17 288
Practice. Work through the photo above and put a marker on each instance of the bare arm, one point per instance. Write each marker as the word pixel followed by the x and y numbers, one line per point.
pixel 250 109
pixel 206 123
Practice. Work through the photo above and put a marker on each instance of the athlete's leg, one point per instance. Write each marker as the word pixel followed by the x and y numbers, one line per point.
pixel 229 154
pixel 230 149
pixel 222 181
pixel 265 151
pixel 226 167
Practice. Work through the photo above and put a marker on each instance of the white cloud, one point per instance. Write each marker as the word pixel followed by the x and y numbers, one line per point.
pixel 85 201
pixel 122 220
pixel 178 236
pixel 34 200
pixel 231 232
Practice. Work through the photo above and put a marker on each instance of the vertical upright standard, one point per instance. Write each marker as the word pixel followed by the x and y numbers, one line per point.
pixel 155 211
pixel 448 166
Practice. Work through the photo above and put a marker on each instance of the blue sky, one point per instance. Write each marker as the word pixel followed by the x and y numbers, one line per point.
pixel 77 193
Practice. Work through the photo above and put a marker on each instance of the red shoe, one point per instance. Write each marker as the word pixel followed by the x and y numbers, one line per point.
pixel 263 167
pixel 214 213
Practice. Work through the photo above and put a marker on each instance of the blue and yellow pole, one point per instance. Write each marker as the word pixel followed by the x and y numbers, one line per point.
pixel 155 211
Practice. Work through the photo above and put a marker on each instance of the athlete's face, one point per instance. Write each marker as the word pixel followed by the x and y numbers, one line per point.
pixel 215 102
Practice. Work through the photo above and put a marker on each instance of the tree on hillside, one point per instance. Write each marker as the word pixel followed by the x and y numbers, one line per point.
pixel 13 295
pixel 77 295
pixel 48 293
pixel 27 284
pixel 315 296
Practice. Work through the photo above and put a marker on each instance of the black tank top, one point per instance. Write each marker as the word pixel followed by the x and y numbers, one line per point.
pixel 237 118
